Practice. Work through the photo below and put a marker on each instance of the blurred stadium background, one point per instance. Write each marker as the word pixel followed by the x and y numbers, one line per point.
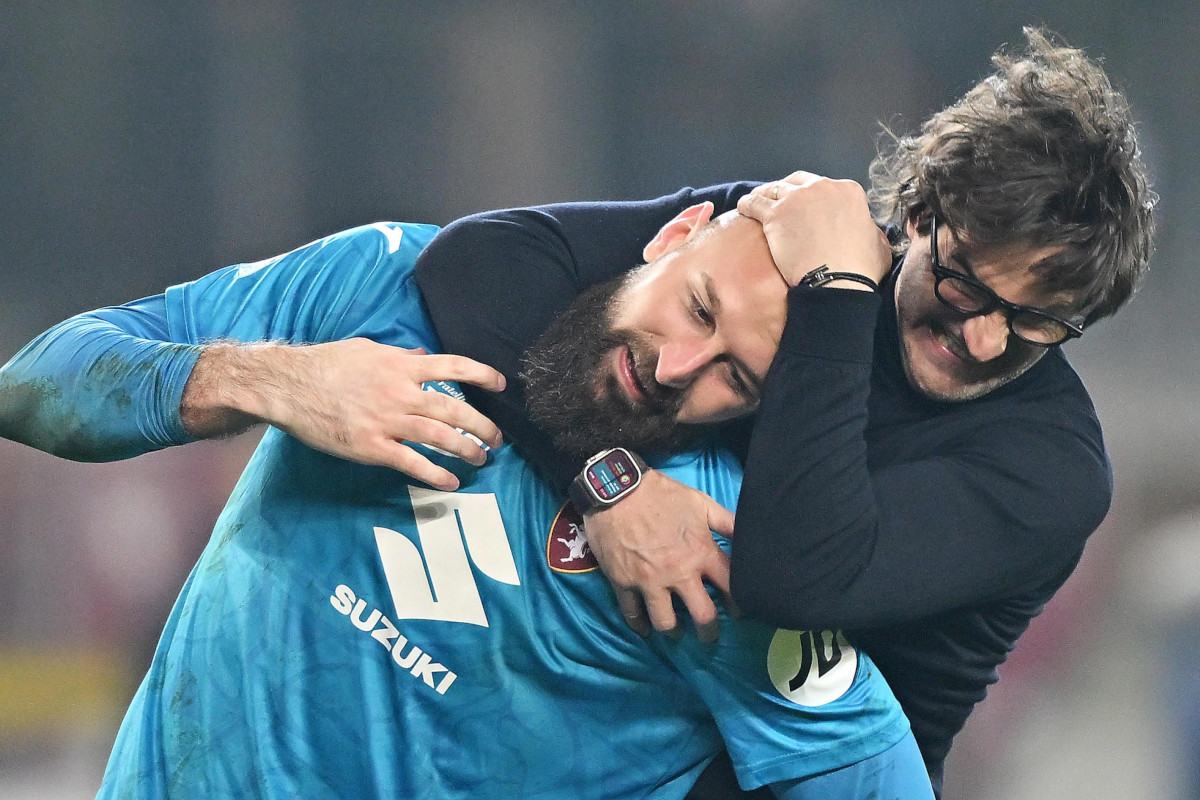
pixel 145 143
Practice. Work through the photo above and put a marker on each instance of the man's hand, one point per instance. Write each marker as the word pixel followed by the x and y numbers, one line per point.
pixel 811 221
pixel 355 399
pixel 655 543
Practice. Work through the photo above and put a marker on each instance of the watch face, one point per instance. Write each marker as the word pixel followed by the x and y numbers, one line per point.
pixel 612 475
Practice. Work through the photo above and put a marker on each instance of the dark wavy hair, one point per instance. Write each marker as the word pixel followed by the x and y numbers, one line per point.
pixel 1041 153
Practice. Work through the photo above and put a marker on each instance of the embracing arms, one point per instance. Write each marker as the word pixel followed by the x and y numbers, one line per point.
pixel 832 531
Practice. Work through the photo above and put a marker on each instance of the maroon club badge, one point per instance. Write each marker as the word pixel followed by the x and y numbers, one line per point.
pixel 567 546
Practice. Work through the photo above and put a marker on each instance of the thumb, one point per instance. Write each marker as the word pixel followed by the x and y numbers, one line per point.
pixel 720 518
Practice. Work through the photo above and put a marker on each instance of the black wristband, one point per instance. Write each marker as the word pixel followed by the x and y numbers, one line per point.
pixel 821 276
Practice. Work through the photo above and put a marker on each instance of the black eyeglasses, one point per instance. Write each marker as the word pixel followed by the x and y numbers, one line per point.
pixel 968 296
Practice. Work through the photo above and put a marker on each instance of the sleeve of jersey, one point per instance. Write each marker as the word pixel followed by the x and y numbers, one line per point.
pixel 790 704
pixel 494 281
pixel 100 386
pixel 354 283
pixel 824 540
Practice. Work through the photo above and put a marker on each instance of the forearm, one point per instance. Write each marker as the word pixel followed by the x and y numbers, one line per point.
pixel 106 385
pixel 235 385
pixel 238 384
pixel 807 516
pixel 89 389
pixel 934 508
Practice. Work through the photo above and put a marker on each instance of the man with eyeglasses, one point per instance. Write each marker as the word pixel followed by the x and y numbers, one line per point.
pixel 925 467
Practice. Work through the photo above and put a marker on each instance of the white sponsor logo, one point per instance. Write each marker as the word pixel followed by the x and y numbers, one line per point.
pixel 393 235
pixel 811 668
pixel 435 582
pixel 445 521
pixel 419 663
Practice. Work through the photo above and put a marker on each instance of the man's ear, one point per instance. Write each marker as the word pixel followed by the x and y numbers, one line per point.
pixel 678 231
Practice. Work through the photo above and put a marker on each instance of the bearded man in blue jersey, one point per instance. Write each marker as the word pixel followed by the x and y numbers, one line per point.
pixel 350 632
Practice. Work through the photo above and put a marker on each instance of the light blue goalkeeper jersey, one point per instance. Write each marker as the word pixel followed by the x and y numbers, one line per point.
pixel 348 633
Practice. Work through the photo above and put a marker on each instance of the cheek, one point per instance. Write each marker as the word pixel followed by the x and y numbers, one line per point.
pixel 914 286
pixel 662 320
pixel 710 400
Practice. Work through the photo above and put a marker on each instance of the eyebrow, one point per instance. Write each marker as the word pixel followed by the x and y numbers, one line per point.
pixel 1062 309
pixel 960 258
pixel 748 378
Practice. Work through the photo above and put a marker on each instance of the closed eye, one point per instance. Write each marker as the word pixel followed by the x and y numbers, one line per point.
pixel 741 386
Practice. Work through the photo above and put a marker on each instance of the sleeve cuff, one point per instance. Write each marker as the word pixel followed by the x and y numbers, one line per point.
pixel 830 323
pixel 161 425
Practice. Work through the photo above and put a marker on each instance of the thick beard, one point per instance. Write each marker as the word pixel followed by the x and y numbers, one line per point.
pixel 584 410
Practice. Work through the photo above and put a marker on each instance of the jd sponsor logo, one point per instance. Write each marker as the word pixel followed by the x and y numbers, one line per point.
pixel 811 668
pixel 406 655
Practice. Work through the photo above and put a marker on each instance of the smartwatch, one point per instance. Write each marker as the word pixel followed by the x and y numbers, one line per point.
pixel 606 478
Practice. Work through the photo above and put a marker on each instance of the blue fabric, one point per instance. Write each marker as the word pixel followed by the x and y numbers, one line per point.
pixel 347 633
pixel 895 774
pixel 71 390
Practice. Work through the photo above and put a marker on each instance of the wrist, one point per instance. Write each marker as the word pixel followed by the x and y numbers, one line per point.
pixel 235 385
pixel 823 276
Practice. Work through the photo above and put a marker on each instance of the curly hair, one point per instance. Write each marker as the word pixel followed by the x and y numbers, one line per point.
pixel 1041 153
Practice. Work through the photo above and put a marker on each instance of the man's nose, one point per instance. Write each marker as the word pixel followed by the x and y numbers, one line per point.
pixel 681 362
pixel 986 335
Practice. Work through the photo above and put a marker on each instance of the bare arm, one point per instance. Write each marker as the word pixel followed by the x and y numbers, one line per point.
pixel 355 399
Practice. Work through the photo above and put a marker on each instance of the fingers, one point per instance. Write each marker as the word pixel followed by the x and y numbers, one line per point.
pixel 444 437
pixel 766 195
pixel 802 178
pixel 661 610
pixel 633 610
pixel 403 458
pixel 463 370
pixel 720 518
pixel 457 414
pixel 754 205
pixel 701 609
pixel 716 571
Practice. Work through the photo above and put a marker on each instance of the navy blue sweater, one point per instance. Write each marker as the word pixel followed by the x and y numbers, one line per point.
pixel 932 533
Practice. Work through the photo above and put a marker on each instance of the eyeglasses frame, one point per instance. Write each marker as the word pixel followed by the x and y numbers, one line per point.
pixel 993 300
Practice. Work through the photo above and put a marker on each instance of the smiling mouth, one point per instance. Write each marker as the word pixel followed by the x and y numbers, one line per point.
pixel 951 344
pixel 633 384
pixel 638 391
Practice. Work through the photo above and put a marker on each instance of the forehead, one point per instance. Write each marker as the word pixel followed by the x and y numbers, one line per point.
pixel 733 264
pixel 733 248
